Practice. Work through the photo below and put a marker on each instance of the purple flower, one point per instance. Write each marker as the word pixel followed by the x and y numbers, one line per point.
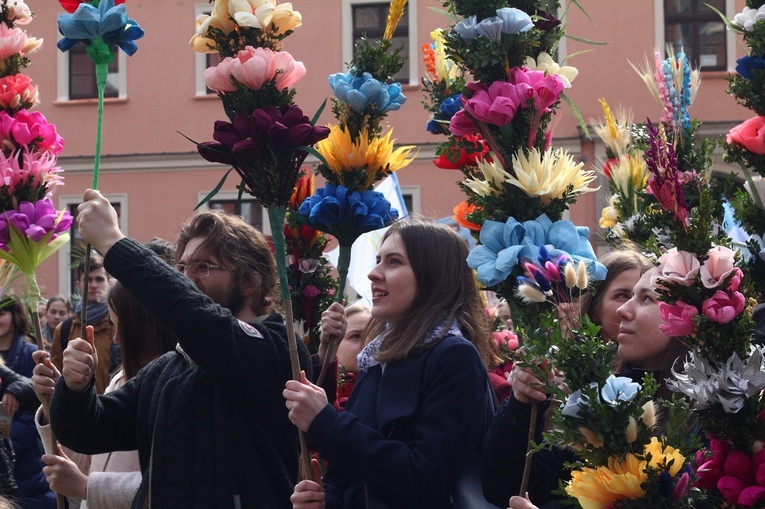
pixel 34 220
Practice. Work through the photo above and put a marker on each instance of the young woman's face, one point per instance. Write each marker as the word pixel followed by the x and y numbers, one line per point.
pixel 115 320
pixel 641 342
pixel 615 294
pixel 393 283
pixel 351 346
pixel 56 314
pixel 6 324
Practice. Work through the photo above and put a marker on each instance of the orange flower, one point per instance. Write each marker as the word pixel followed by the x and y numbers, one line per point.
pixel 430 60
pixel 461 212
pixel 303 189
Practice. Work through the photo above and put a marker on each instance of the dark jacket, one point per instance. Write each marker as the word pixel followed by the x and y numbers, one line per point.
pixel 406 433
pixel 209 421
pixel 33 492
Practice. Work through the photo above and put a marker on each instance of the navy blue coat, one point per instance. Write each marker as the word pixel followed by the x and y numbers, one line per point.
pixel 33 492
pixel 408 432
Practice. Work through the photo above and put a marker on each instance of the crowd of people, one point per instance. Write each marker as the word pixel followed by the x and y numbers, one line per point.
pixel 180 393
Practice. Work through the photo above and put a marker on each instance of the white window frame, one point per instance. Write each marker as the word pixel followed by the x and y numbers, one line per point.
pixel 414 192
pixel 414 47
pixel 64 254
pixel 730 36
pixel 233 195
pixel 62 70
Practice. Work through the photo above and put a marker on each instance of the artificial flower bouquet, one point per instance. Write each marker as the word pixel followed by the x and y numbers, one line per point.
pixel 357 154
pixel 608 420
pixel 658 174
pixel 745 143
pixel 312 286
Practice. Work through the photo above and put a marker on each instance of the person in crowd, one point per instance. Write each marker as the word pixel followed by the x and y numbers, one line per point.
pixel 114 477
pixel 642 348
pixel 349 323
pixel 418 410
pixel 624 270
pixel 97 315
pixel 57 309
pixel 162 248
pixel 505 314
pixel 16 352
pixel 208 420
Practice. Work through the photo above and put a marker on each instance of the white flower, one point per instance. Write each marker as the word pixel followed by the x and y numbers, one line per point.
pixel 746 19
pixel 545 63
pixel 494 174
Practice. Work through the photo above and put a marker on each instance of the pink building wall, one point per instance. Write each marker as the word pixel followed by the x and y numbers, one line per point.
pixel 146 159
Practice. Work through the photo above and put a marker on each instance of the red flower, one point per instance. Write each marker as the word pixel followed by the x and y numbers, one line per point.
pixel 71 5
pixel 467 156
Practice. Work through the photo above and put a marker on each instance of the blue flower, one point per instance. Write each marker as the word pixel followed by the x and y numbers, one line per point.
pixel 514 21
pixel 504 245
pixel 746 65
pixel 619 389
pixel 365 92
pixel 508 20
pixel 106 22
pixel 347 214
pixel 574 404
pixel 439 124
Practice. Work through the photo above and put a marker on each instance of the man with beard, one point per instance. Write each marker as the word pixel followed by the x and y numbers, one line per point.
pixel 208 420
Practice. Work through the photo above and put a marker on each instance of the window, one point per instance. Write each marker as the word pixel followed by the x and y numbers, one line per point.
pixel 369 20
pixel 248 208
pixel 70 257
pixel 411 196
pixel 692 26
pixel 77 75
pixel 369 17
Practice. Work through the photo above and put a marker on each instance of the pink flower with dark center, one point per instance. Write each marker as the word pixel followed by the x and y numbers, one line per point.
pixel 718 266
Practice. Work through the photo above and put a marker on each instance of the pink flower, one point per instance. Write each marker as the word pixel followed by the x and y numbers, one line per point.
pixel 678 318
pixel 679 267
pixel 253 68
pixel 722 308
pixel 717 267
pixel 505 338
pixel 739 464
pixel 12 41
pixel 497 104
pixel 709 474
pixel 731 487
pixel 310 291
pixel 735 280
pixel 546 89
pixel 17 92
pixel 32 171
pixel 32 128
pixel 750 135
pixel 751 495
pixel 681 487
pixel 462 125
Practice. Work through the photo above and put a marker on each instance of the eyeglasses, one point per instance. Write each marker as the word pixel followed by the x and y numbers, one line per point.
pixel 198 269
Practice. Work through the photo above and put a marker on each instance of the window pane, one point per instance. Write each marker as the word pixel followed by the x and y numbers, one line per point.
pixel 82 75
pixel 366 17
pixel 250 210
pixel 370 20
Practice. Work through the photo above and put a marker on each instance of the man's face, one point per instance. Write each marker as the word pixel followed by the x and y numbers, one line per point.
pixel 98 285
pixel 219 284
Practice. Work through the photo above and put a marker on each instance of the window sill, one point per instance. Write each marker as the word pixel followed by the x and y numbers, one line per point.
pixel 205 97
pixel 94 100
pixel 414 86
pixel 716 75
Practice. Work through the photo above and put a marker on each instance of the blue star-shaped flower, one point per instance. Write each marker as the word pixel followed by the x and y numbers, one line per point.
pixel 106 24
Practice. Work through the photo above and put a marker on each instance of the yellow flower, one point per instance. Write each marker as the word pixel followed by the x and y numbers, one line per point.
pixel 615 131
pixel 550 174
pixel 375 157
pixel 662 455
pixel 629 174
pixel 599 488
pixel 493 173
pixel 609 216
pixel 219 19
pixel 266 15
pixel 545 63
pixel 446 70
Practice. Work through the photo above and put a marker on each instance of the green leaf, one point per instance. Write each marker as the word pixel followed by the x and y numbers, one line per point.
pixel 576 54
pixel 214 191
pixel 585 41
pixel 318 112
pixel 313 152
pixel 577 114
pixel 724 18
